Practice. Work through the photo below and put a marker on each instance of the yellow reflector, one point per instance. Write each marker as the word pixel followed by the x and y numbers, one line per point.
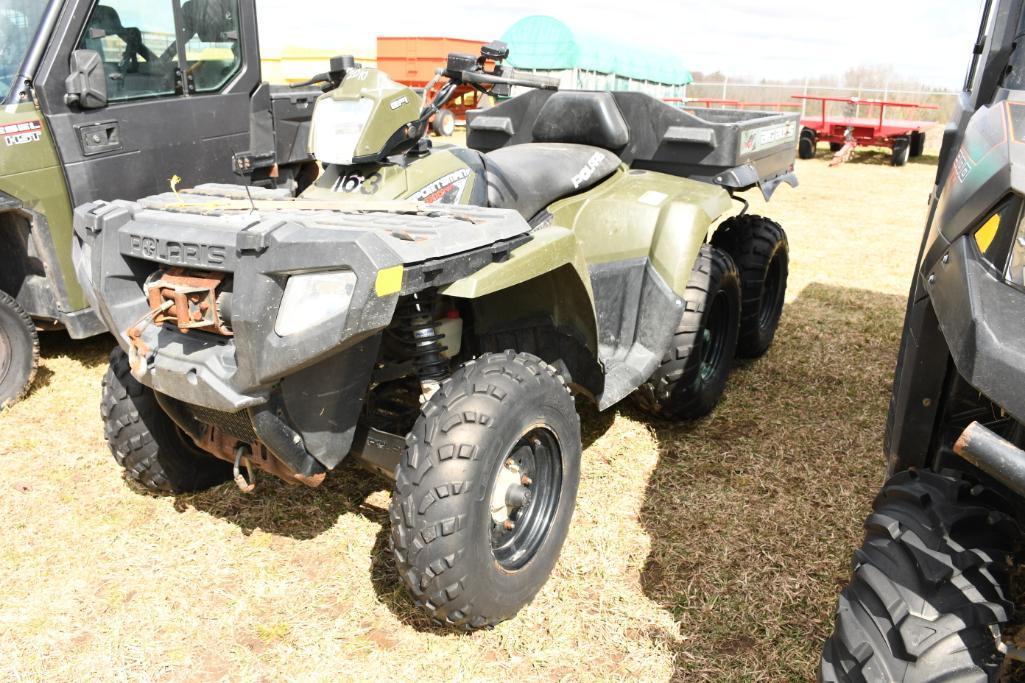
pixel 984 235
pixel 389 281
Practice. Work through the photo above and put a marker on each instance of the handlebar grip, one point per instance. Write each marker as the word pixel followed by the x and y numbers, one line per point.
pixel 539 82
pixel 535 81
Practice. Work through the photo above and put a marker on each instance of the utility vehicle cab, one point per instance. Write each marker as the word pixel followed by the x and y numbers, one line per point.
pixel 111 99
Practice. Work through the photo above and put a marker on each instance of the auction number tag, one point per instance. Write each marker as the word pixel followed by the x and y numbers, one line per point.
pixel 21 133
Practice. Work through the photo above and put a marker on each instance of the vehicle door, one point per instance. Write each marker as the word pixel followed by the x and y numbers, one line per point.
pixel 178 78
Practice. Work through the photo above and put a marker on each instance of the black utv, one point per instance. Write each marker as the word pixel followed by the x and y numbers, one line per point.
pixel 933 583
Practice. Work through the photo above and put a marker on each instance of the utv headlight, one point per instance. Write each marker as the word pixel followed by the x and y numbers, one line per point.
pixel 338 127
pixel 312 299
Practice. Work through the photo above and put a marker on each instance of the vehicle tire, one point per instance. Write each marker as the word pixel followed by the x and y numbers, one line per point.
pixel 901 151
pixel 692 376
pixel 502 427
pixel 19 351
pixel 152 449
pixel 917 144
pixel 835 146
pixel 444 123
pixel 761 252
pixel 806 147
pixel 929 582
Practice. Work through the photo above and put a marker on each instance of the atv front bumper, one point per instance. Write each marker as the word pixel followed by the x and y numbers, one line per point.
pixel 300 394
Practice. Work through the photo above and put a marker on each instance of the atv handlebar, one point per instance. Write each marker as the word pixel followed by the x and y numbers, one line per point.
pixel 532 81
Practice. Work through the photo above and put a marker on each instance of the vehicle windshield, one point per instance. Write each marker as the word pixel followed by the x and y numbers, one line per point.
pixel 19 20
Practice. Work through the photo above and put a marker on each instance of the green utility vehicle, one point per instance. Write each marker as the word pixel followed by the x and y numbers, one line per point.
pixel 934 583
pixel 112 99
pixel 430 312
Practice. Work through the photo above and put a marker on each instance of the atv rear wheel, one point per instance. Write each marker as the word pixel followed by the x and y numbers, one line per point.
pixel 150 447
pixel 19 351
pixel 901 151
pixel 691 379
pixel 444 123
pixel 486 489
pixel 929 586
pixel 759 248
pixel 806 146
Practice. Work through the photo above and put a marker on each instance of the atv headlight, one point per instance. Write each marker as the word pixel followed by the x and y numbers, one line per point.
pixel 311 299
pixel 337 128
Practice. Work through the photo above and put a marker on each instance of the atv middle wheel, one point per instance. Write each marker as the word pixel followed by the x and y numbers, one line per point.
pixel 19 351
pixel 486 489
pixel 759 248
pixel 930 585
pixel 692 377
pixel 150 447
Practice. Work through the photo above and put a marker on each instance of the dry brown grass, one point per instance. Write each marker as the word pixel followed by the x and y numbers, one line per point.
pixel 706 551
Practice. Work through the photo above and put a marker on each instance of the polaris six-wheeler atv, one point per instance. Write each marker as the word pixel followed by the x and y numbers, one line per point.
pixel 931 594
pixel 432 311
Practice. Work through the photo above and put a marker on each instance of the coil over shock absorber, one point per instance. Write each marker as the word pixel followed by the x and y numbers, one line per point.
pixel 421 341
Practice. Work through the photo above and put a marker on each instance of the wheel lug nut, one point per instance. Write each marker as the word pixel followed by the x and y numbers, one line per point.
pixel 526 481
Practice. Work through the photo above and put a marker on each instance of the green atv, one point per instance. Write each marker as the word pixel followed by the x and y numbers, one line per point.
pixel 430 312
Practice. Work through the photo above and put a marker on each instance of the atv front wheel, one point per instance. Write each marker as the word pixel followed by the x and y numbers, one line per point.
pixel 760 249
pixel 486 489
pixel 929 587
pixel 150 447
pixel 691 379
pixel 19 351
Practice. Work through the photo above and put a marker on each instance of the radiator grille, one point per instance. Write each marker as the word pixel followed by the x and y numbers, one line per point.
pixel 237 425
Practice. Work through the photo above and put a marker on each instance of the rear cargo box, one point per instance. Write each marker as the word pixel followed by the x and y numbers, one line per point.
pixel 737 149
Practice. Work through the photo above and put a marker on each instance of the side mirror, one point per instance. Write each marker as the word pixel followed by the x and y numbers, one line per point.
pixel 86 87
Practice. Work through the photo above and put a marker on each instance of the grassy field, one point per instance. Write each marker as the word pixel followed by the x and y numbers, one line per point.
pixel 705 551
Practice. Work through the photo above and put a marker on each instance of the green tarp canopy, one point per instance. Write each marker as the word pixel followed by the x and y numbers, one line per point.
pixel 547 44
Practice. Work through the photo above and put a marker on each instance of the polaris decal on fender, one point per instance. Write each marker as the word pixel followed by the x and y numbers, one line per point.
pixel 584 174
pixel 444 190
pixel 21 133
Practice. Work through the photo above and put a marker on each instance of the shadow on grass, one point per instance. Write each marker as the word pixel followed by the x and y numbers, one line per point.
pixel 753 511
pixel 879 156
pixel 90 353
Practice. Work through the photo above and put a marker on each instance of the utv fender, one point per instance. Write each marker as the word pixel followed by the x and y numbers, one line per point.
pixel 546 277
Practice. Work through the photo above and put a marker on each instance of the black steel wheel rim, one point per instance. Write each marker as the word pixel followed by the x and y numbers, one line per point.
pixel 713 337
pixel 537 459
pixel 772 294
pixel 5 354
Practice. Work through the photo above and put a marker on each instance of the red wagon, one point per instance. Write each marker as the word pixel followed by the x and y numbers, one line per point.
pixel 413 61
pixel 849 130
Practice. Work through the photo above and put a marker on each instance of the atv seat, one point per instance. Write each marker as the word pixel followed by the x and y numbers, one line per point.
pixel 531 176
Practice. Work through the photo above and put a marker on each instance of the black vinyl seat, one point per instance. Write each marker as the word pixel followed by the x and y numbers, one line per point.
pixel 531 176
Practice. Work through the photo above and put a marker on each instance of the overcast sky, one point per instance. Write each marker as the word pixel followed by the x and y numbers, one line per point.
pixel 928 40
